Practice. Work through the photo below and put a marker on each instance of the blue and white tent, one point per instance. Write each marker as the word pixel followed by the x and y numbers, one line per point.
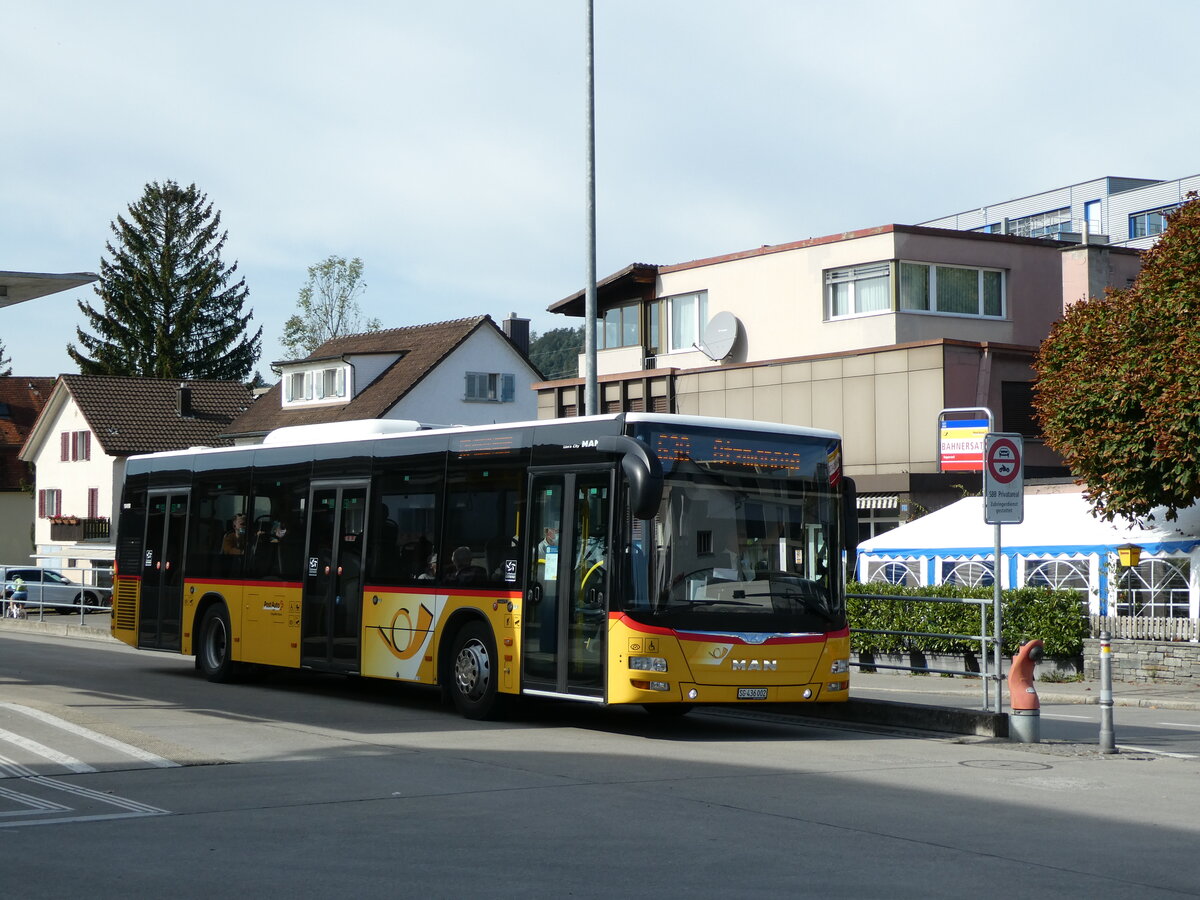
pixel 1059 544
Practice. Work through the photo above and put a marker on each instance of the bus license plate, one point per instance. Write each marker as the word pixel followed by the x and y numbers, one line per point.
pixel 752 693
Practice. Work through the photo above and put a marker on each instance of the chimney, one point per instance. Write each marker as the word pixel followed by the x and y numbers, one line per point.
pixel 518 332
pixel 184 401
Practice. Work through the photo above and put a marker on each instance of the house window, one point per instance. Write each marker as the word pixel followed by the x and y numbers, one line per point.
pixel 49 503
pixel 955 290
pixel 297 386
pixel 491 387
pixel 858 290
pixel 75 445
pixel 332 383
pixel 1151 222
pixel 686 315
pixel 620 327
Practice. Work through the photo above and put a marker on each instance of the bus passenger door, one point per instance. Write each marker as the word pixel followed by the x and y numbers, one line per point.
pixel 565 621
pixel 331 614
pixel 161 609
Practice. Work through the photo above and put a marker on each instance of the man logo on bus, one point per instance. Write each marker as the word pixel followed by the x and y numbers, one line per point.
pixel 755 665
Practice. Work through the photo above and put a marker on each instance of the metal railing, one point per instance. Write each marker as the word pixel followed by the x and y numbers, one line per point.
pixel 82 594
pixel 985 640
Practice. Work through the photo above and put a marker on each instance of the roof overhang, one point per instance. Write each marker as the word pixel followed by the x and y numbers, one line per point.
pixel 621 285
pixel 17 287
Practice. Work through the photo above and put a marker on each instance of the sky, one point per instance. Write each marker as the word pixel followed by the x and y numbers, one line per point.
pixel 445 143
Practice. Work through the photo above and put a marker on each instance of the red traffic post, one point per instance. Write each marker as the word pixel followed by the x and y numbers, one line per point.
pixel 1025 719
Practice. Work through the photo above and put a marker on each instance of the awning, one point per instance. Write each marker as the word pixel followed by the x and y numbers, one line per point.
pixel 878 501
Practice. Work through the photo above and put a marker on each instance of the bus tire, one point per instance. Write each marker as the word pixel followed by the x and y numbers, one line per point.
pixel 214 650
pixel 474 671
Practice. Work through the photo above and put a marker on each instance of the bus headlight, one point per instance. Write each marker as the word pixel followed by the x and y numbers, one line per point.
pixel 648 663
pixel 840 667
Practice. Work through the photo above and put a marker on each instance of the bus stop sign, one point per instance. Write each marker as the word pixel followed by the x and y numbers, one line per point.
pixel 1003 479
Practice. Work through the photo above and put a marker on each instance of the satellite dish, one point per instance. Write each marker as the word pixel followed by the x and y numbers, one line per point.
pixel 719 336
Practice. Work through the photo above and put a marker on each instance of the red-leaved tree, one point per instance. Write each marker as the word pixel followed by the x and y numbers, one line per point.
pixel 1118 390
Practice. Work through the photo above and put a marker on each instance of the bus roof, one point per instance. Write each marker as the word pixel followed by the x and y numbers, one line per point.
pixel 386 429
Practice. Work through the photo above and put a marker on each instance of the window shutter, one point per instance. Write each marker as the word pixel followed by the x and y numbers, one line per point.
pixel 41 504
pixel 64 446
pixel 57 502
pixel 508 388
pixel 93 510
pixel 87 445
pixel 341 382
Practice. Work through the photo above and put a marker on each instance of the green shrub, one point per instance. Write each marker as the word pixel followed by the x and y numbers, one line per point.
pixel 1059 618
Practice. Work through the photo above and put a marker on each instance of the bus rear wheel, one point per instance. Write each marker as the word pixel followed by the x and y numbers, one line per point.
pixel 474 672
pixel 214 652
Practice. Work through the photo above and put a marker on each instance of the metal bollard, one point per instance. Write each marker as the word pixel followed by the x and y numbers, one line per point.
pixel 1025 720
pixel 1108 740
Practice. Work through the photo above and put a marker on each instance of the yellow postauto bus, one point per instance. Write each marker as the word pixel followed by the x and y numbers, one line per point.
pixel 636 558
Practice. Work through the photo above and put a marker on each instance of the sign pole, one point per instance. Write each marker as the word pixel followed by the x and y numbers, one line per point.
pixel 996 620
pixel 1003 502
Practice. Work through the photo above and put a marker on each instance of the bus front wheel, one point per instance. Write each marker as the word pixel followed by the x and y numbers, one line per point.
pixel 214 653
pixel 473 679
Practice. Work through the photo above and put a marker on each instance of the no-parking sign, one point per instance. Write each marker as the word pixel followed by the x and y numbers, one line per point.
pixel 1003 479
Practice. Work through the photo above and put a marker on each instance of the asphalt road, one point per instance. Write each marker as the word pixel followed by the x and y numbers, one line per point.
pixel 124 774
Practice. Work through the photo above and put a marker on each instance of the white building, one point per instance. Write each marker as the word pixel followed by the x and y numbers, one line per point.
pixel 461 372
pixel 80 441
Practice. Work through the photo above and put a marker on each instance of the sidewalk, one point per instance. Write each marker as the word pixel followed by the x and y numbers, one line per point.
pixel 968 692
pixel 95 626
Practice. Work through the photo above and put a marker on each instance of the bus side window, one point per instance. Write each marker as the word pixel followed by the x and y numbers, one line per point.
pixel 482 503
pixel 406 520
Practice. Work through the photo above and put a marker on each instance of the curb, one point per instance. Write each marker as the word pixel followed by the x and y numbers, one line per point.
pixel 897 714
pixel 58 629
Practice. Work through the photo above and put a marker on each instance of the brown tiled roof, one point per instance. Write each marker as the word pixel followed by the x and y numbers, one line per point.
pixel 22 399
pixel 141 415
pixel 422 348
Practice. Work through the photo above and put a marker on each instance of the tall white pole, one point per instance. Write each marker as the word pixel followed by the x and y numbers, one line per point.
pixel 591 399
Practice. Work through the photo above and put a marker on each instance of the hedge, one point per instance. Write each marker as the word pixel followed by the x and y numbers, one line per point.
pixel 1059 618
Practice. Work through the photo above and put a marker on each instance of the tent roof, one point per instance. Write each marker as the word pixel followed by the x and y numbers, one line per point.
pixel 1054 524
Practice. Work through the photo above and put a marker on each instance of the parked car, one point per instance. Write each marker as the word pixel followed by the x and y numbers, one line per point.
pixel 54 591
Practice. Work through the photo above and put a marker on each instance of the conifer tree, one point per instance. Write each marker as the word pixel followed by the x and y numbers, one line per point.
pixel 169 307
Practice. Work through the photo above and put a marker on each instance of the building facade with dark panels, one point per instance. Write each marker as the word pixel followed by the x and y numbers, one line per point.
pixel 870 333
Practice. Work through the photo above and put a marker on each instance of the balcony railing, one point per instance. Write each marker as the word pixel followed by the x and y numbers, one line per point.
pixel 80 530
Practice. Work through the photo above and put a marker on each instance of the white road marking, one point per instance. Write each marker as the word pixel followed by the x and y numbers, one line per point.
pixel 1157 752
pixel 1064 716
pixel 94 736
pixel 47 753
pixel 1178 725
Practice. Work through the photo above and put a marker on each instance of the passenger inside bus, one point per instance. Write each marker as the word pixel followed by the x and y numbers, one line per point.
pixel 463 569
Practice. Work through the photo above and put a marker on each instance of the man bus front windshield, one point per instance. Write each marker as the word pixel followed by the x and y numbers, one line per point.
pixel 746 538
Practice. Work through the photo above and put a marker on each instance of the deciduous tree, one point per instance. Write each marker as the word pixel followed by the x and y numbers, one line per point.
pixel 169 306
pixel 328 306
pixel 1118 391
